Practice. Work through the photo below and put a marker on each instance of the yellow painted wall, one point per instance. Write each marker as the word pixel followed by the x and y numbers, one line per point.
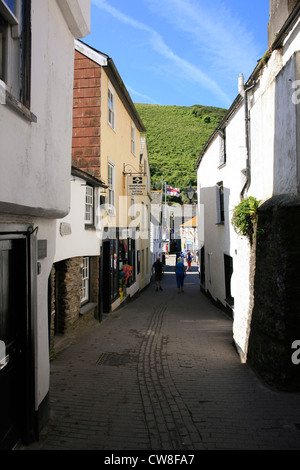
pixel 116 147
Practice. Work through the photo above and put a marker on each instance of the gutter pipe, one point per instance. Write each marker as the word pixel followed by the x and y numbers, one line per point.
pixel 244 91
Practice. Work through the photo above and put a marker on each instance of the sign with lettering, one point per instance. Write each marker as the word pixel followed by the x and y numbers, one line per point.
pixel 137 185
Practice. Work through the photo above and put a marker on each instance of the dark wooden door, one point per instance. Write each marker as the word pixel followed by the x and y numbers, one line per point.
pixel 106 276
pixel 12 328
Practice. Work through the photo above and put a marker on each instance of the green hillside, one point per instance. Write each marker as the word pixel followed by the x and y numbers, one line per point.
pixel 175 138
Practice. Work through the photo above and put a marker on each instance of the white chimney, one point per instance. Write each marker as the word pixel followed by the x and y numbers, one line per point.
pixel 241 85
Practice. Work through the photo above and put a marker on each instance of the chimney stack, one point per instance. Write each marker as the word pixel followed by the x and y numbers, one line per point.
pixel 280 10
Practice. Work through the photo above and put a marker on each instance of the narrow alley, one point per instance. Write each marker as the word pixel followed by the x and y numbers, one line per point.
pixel 161 373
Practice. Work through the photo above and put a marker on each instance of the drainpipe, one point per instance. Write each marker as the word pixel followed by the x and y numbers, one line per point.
pixel 243 92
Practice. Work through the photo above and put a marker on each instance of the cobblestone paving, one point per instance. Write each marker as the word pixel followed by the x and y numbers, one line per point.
pixel 161 373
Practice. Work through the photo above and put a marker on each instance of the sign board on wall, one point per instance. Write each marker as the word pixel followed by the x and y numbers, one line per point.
pixel 137 185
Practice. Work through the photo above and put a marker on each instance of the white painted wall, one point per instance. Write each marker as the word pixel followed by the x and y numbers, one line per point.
pixel 46 231
pixel 43 177
pixel 286 158
pixel 221 239
pixel 36 157
pixel 275 162
pixel 77 16
pixel 81 241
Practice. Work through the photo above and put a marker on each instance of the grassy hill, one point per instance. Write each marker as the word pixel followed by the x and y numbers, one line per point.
pixel 175 138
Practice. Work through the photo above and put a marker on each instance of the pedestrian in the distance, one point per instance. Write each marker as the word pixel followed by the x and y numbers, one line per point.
pixel 180 273
pixel 189 260
pixel 158 272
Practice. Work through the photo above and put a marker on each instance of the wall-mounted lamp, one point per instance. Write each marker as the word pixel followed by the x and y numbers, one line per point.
pixel 190 192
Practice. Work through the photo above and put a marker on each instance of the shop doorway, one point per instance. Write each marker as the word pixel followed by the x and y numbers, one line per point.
pixel 106 275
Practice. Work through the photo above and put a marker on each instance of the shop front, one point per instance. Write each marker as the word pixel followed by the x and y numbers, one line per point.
pixel 118 268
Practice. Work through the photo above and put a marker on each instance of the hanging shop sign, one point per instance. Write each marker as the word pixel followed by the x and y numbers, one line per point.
pixel 137 185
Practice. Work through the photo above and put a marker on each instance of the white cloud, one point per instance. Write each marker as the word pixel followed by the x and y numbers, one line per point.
pixel 133 92
pixel 186 69
pixel 213 29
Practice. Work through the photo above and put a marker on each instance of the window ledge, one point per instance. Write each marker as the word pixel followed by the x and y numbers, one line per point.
pixel 87 308
pixel 16 105
pixel 220 223
pixel 89 227
pixel 221 165
pixel 113 128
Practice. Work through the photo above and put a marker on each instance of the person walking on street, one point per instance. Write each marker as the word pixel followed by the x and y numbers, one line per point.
pixel 180 273
pixel 158 272
pixel 189 260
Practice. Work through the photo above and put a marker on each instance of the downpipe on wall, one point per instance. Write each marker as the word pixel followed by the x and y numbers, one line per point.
pixel 244 93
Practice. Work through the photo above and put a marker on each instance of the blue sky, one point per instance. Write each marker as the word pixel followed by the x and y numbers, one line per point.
pixel 181 52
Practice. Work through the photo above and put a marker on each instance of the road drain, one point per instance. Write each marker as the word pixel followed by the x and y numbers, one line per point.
pixel 114 359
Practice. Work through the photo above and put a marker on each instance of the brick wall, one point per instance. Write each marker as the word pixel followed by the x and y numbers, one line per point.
pixel 86 115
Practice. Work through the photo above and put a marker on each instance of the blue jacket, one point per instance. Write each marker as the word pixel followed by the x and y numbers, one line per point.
pixel 180 269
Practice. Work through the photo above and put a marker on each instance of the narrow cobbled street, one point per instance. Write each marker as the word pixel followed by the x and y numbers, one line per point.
pixel 162 374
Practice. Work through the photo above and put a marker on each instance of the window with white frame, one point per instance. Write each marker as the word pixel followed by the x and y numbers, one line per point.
pixel 111 107
pixel 89 205
pixel 132 138
pixel 85 289
pixel 111 188
pixel 15 48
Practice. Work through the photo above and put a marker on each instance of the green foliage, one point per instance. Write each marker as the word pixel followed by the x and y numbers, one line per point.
pixel 175 138
pixel 244 217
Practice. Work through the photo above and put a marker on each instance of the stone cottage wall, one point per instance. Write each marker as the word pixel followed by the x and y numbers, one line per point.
pixel 276 313
pixel 68 290
pixel 67 315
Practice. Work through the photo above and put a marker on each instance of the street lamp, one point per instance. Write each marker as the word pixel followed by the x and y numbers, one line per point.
pixel 190 192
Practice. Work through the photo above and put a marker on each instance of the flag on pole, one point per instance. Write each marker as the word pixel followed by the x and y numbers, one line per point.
pixel 172 191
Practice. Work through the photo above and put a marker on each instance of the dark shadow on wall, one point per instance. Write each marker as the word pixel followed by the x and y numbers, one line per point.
pixel 276 313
